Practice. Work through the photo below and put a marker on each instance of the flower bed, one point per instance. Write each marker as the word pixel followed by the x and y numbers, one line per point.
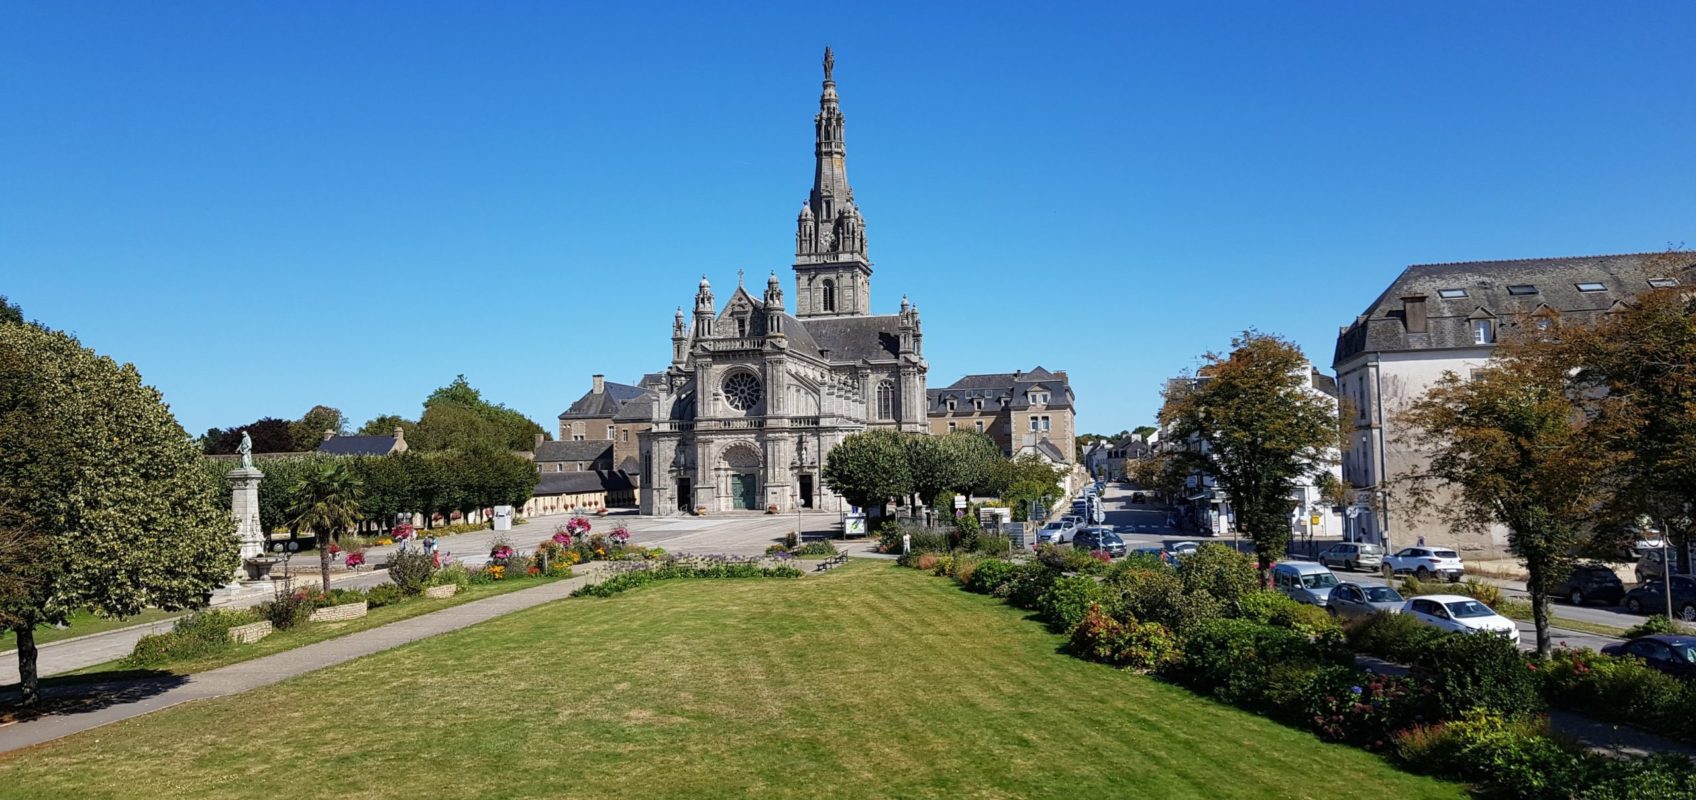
pixel 630 575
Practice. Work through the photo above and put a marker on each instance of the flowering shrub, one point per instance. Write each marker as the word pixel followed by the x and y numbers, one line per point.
pixel 1343 704
pixel 384 541
pixel 1138 646
pixel 1620 690
pixel 621 535
pixel 562 537
pixel 335 549
pixel 401 533
pixel 500 552
pixel 355 559
pixel 495 571
pixel 577 526
pixel 634 574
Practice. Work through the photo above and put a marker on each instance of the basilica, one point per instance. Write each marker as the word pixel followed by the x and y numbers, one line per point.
pixel 756 396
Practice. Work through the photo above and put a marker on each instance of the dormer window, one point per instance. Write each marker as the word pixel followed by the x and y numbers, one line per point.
pixel 1663 283
pixel 1522 288
pixel 1451 294
pixel 1590 287
pixel 1483 331
pixel 977 405
pixel 741 326
pixel 951 404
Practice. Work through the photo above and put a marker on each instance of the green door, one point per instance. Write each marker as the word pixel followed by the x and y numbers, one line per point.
pixel 744 491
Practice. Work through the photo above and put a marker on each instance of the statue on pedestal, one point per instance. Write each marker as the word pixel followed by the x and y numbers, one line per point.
pixel 245 450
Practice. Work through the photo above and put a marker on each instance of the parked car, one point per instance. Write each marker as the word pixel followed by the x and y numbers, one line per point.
pixel 1651 598
pixel 1425 563
pixel 1098 538
pixel 1077 520
pixel 1181 548
pixel 1304 581
pixel 1353 555
pixel 1591 583
pixel 1461 614
pixel 1674 654
pixel 1354 600
pixel 1651 564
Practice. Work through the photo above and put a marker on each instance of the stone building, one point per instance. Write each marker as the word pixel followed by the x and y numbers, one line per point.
pixel 756 397
pixel 1440 318
pixel 334 445
pixel 614 413
pixel 1022 411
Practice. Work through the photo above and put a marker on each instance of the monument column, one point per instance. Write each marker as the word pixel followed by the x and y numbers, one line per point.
pixel 244 507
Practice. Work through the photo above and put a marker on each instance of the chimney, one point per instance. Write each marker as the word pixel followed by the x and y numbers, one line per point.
pixel 1413 313
pixel 329 433
pixel 600 383
pixel 400 434
pixel 538 441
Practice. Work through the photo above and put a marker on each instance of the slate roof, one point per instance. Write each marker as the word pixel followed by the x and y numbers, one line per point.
pixel 357 445
pixel 582 482
pixel 1051 450
pixel 874 338
pixel 992 388
pixel 573 451
pixel 639 409
pixel 605 404
pixel 1324 383
pixel 1486 287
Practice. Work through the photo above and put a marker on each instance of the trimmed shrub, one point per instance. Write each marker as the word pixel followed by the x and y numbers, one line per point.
pixel 1480 670
pixel 1068 599
pixel 456 574
pixel 386 594
pixel 1344 704
pixel 1274 608
pixel 991 574
pixel 1219 571
pixel 410 570
pixel 670 570
pixel 1234 659
pixel 1392 637
pixel 198 635
pixel 1028 583
pixel 1137 646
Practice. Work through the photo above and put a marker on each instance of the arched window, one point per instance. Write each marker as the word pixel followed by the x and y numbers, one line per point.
pixel 829 295
pixel 886 400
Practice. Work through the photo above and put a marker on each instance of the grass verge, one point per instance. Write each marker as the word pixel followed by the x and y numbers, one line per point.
pixel 867 681
pixel 84 624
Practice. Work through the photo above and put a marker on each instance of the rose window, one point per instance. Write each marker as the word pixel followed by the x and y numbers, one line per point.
pixel 742 391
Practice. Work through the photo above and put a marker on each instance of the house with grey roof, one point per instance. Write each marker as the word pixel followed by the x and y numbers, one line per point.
pixel 1435 319
pixel 334 445
pixel 1022 411
pixel 614 415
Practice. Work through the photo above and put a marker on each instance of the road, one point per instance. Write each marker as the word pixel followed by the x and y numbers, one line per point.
pixel 1152 529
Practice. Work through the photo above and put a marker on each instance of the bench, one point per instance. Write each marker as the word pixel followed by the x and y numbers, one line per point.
pixel 830 562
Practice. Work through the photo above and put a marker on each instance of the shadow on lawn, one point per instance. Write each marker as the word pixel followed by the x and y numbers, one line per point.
pixel 69 695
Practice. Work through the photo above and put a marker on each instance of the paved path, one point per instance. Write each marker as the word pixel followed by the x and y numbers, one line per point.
pixel 124 700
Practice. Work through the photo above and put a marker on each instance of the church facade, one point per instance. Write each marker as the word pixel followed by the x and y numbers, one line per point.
pixel 755 396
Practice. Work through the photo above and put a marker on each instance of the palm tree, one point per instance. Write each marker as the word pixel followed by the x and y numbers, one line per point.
pixel 326 502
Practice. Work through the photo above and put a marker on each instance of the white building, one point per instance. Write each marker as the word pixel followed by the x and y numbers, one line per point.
pixel 1440 318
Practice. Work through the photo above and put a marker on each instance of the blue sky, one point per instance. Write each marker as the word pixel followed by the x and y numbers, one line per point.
pixel 266 206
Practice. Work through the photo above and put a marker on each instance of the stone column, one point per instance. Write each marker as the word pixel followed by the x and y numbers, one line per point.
pixel 244 507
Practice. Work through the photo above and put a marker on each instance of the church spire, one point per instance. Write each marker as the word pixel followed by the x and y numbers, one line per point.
pixel 832 271
pixel 831 195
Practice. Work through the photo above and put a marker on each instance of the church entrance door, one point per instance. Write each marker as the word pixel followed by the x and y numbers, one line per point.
pixel 744 491
pixel 806 491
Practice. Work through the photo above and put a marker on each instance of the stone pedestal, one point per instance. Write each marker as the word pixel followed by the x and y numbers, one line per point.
pixel 244 507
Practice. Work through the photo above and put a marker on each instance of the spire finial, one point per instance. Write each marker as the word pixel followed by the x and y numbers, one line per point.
pixel 829 62
pixel 739 279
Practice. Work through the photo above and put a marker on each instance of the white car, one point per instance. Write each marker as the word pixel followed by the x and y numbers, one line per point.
pixel 1425 563
pixel 1057 532
pixel 1460 614
pixel 1182 548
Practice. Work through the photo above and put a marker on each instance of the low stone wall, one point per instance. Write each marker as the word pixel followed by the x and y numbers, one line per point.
pixel 339 613
pixel 445 590
pixel 251 632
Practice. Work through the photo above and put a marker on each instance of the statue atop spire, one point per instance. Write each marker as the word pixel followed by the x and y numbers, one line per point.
pixel 829 62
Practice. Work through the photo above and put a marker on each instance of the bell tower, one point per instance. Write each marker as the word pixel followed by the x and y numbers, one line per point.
pixel 833 275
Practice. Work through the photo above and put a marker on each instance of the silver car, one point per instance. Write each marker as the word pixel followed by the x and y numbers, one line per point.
pixel 1353 601
pixel 1353 555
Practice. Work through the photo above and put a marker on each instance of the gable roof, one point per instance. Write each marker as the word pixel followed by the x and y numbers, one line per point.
pixel 581 482
pixel 873 338
pixel 573 451
pixel 357 445
pixel 1455 293
pixel 605 404
pixel 1013 387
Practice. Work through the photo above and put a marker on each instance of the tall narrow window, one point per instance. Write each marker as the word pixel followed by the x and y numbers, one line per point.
pixel 950 427
pixel 886 400
pixel 1482 332
pixel 1045 424
pixel 828 300
pixel 741 326
pixel 609 433
pixel 1036 424
pixel 980 426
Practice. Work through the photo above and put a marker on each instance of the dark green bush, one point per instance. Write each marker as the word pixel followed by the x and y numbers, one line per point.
pixel 1029 582
pixel 1068 599
pixel 1658 623
pixel 1140 646
pixel 1274 608
pixel 1070 559
pixel 1479 670
pixel 410 570
pixel 386 594
pixel 197 635
pixel 1219 571
pixel 1157 595
pixel 991 575
pixel 1396 638
pixel 1620 690
pixel 1234 659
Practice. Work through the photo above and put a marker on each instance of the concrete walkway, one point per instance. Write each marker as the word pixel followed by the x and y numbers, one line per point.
pixel 126 699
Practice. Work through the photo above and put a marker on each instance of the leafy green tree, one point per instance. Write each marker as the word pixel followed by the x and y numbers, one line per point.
pixel 868 469
pixel 1159 472
pixel 929 468
pixel 1144 431
pixel 308 431
pixel 973 458
pixel 269 435
pixel 1263 430
pixel 326 502
pixel 10 312
pixel 456 417
pixel 385 424
pixel 98 477
pixel 388 491
pixel 1511 446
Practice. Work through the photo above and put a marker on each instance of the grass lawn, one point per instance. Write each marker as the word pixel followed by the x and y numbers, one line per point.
pixel 85 623
pixel 867 681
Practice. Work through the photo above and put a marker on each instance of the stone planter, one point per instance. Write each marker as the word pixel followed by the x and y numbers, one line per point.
pixel 258 569
pixel 439 592
pixel 251 632
pixel 339 613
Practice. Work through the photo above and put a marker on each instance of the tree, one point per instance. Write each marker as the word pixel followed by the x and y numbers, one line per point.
pixel 868 469
pixel 269 435
pixel 1164 473
pixel 105 484
pixel 973 457
pixel 326 502
pixel 387 491
pixel 308 431
pixel 1144 431
pixel 456 417
pixel 10 312
pixel 1512 447
pixel 1026 479
pixel 385 424
pixel 1262 429
pixel 929 468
